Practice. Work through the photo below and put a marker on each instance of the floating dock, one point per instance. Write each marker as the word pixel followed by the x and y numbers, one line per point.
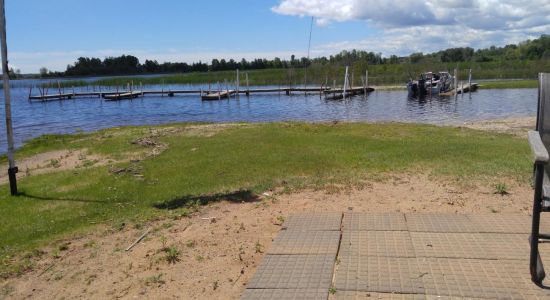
pixel 327 92
pixel 339 94
pixel 217 95
pixel 121 96
pixel 461 90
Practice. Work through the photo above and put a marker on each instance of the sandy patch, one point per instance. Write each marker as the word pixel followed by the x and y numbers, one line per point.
pixel 219 256
pixel 53 161
pixel 516 126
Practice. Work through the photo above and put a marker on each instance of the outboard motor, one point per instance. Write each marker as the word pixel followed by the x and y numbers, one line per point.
pixel 422 86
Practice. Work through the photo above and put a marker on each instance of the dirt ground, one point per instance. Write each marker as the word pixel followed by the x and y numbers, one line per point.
pixel 51 162
pixel 221 245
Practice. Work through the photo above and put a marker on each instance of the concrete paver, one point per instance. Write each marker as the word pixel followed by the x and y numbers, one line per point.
pixel 305 242
pixel 400 256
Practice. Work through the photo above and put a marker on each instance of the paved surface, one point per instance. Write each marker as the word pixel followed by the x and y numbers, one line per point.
pixel 399 256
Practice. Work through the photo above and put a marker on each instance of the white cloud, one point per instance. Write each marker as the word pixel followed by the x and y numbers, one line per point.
pixel 429 25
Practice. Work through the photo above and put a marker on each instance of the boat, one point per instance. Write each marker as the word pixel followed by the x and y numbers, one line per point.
pixel 430 83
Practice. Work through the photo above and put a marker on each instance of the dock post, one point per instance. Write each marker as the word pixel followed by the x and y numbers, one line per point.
pixel 462 88
pixel 367 78
pixel 456 83
pixel 247 87
pixel 226 88
pixel 219 91
pixel 345 83
pixel 352 80
pixel 30 92
pixel 162 89
pixel 470 83
pixel 141 88
pixel 238 83
pixel 59 88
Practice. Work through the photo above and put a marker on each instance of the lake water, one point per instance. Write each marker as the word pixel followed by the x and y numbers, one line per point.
pixel 32 119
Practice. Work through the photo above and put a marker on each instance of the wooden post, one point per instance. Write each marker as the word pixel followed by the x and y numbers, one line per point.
pixel 364 85
pixel 462 88
pixel 247 87
pixel 59 88
pixel 12 168
pixel 162 89
pixel 352 80
pixel 367 78
pixel 455 84
pixel 141 88
pixel 226 88
pixel 238 83
pixel 345 83
pixel 30 92
pixel 470 82
pixel 219 91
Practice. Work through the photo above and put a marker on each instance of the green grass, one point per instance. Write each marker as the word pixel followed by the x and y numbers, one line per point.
pixel 236 164
pixel 509 84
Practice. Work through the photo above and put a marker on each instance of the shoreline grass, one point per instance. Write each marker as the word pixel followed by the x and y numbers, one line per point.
pixel 203 163
pixel 501 76
pixel 509 84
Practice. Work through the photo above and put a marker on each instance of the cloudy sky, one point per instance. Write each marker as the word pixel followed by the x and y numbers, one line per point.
pixel 53 34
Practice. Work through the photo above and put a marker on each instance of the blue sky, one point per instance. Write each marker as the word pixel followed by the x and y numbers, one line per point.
pixel 54 33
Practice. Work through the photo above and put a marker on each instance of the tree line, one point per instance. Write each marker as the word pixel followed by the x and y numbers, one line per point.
pixel 130 65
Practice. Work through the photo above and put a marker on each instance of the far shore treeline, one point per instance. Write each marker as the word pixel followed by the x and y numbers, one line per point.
pixel 538 49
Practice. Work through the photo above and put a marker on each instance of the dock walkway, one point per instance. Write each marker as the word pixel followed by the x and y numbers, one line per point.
pixel 328 93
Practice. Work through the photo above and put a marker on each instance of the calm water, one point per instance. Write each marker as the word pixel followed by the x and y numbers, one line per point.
pixel 37 118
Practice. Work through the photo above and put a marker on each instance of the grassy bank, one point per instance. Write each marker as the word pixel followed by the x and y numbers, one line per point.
pixel 387 74
pixel 509 84
pixel 194 164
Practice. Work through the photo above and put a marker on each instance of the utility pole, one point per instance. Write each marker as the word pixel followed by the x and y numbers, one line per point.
pixel 12 170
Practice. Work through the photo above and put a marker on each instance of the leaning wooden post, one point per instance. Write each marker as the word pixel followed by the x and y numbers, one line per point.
pixel 12 168
pixel 470 83
pixel 30 92
pixel 345 83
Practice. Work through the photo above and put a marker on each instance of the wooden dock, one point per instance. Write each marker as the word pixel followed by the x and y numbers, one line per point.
pixel 217 95
pixel 327 92
pixel 461 90
pixel 122 96
pixel 339 94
